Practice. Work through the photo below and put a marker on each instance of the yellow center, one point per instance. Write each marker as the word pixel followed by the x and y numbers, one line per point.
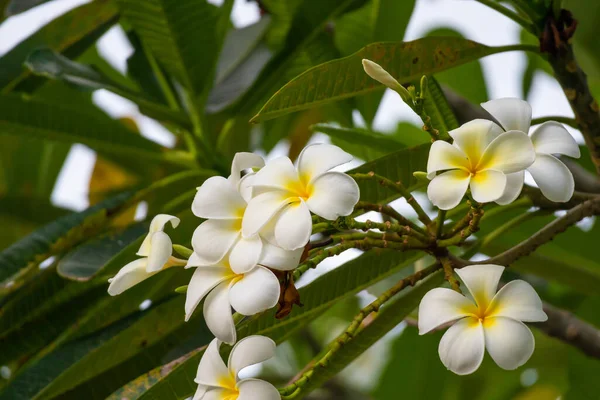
pixel 482 312
pixel 231 391
pixel 300 187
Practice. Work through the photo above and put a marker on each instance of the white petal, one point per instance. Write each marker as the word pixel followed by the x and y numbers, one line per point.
pixel 218 198
pixel 218 315
pixel 514 185
pixel 196 261
pixel 488 185
pixel 440 306
pixel 333 194
pixel 158 224
pixel 552 138
pixel 129 276
pixel 275 257
pixel 255 389
pixel 553 178
pixel 518 300
pixel 249 351
pixel 161 249
pixel 213 238
pixel 462 346
pixel 482 282
pixel 443 156
pixel 246 186
pixel 473 137
pixel 261 209
pixel 447 190
pixel 293 226
pixel 279 173
pixel 200 390
pixel 510 152
pixel 256 292
pixel 317 159
pixel 219 394
pixel 245 254
pixel 509 342
pixel 202 282
pixel 377 72
pixel 242 161
pixel 513 114
pixel 211 368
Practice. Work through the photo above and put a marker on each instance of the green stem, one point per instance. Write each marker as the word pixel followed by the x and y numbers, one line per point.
pixel 389 211
pixel 461 236
pixel 440 223
pixel 449 274
pixel 528 25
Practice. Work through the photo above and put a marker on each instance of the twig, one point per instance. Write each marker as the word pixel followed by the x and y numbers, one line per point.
pixel 389 211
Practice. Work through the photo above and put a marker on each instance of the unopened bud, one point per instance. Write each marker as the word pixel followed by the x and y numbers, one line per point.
pixel 377 72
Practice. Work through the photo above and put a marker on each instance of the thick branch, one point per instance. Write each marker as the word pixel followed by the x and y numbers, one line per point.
pixel 567 327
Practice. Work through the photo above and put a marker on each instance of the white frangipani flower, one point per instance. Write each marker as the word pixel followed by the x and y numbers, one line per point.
pixel 485 320
pixel 156 250
pixel 551 175
pixel 377 72
pixel 285 195
pixel 479 158
pixel 249 293
pixel 217 381
pixel 223 203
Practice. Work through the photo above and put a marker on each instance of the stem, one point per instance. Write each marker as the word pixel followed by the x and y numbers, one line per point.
pixel 389 211
pixel 440 223
pixel 400 189
pixel 528 25
pixel 449 274
pixel 472 226
pixel 563 120
pixel 384 227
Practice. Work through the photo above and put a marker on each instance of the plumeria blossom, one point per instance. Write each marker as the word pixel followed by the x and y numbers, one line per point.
pixel 223 203
pixel 377 72
pixel 249 293
pixel 552 176
pixel 480 159
pixel 484 320
pixel 284 195
pixel 217 381
pixel 156 250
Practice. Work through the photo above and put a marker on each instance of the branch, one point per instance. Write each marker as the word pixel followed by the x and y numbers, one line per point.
pixel 544 235
pixel 568 328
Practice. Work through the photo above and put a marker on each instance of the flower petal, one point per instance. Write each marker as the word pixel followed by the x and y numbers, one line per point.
pixel 213 238
pixel 245 254
pixel 158 224
pixel 293 226
pixel 518 300
pixel 553 178
pixel 275 257
pixel 257 291
pixel 196 261
pixel 447 189
pixel 334 194
pixel 514 185
pixel 377 72
pixel 443 156
pixel 202 282
pixel 220 394
pixel 488 185
pixel 553 138
pixel 211 368
pixel 129 276
pixel 510 152
pixel 317 159
pixel 218 198
pixel 482 282
pixel 509 342
pixel 473 137
pixel 261 209
pixel 255 389
pixel 242 161
pixel 513 114
pixel 279 173
pixel 249 351
pixel 200 391
pixel 440 306
pixel 462 346
pixel 218 315
pixel 161 249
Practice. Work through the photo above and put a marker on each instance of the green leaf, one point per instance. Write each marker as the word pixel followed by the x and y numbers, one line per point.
pixel 345 77
pixel 185 37
pixel 15 7
pixel 176 381
pixel 57 236
pixel 437 108
pixel 390 315
pixel 44 120
pixel 398 167
pixel 70 34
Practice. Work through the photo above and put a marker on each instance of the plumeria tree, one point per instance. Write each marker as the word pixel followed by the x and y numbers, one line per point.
pixel 472 233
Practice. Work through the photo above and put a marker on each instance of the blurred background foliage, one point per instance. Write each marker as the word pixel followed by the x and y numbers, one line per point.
pixel 62 336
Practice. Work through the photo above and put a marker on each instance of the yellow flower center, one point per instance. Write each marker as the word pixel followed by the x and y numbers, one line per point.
pixel 300 187
pixel 231 391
